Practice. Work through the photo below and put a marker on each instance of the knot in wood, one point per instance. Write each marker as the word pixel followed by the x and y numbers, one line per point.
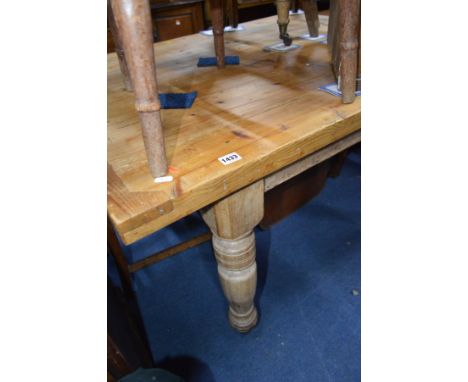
pixel 350 45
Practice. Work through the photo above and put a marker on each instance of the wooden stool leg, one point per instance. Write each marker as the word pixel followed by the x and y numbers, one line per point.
pixel 232 221
pixel 118 48
pixel 282 8
pixel 230 7
pixel 311 15
pixel 294 5
pixel 235 14
pixel 217 19
pixel 349 44
pixel 133 18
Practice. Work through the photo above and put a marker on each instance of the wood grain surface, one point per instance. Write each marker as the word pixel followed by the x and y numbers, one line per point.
pixel 268 110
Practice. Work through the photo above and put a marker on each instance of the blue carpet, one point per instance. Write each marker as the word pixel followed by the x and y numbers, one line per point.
pixel 308 266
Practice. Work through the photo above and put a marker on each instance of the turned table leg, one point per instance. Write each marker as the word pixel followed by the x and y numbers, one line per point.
pixel 282 8
pixel 217 20
pixel 118 48
pixel 311 15
pixel 133 18
pixel 349 44
pixel 232 221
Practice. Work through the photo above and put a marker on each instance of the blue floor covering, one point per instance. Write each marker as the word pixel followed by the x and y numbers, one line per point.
pixel 308 266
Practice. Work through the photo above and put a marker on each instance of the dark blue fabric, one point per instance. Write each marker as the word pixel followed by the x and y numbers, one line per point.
pixel 177 100
pixel 151 375
pixel 308 267
pixel 211 61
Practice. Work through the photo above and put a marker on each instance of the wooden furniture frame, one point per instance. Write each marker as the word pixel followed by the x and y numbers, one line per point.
pixel 232 10
pixel 311 14
pixel 282 7
pixel 131 27
pixel 126 270
pixel 277 136
pixel 127 343
pixel 176 18
pixel 345 45
pixel 232 221
pixel 133 18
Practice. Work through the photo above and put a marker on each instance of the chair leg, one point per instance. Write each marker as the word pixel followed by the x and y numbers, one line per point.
pixel 349 44
pixel 120 261
pixel 133 18
pixel 311 15
pixel 235 14
pixel 217 20
pixel 118 48
pixel 282 8
pixel 295 5
pixel 232 13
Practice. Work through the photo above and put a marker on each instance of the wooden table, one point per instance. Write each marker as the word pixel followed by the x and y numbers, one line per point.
pixel 268 110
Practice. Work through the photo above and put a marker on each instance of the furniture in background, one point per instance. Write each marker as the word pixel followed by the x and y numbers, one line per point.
pixel 311 15
pixel 177 18
pixel 170 19
pixel 268 112
pixel 234 7
pixel 236 10
pixel 127 345
pixel 126 270
pixel 173 19
pixel 344 42
pixel 117 47
pixel 282 7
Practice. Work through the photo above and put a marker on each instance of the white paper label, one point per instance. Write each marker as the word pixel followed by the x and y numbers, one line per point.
pixel 229 158
pixel 163 179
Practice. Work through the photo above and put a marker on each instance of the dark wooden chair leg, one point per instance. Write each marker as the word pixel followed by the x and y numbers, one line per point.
pixel 118 48
pixel 332 32
pixel 232 12
pixel 127 343
pixel 311 15
pixel 333 36
pixel 294 5
pixel 217 19
pixel 120 261
pixel 349 44
pixel 133 18
pixel 282 8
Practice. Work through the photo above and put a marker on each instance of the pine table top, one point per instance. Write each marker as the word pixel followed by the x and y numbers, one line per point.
pixel 268 110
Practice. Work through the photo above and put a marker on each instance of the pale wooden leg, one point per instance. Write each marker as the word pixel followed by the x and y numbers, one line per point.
pixel 282 8
pixel 217 20
pixel 349 44
pixel 133 18
pixel 311 15
pixel 232 221
pixel 118 48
